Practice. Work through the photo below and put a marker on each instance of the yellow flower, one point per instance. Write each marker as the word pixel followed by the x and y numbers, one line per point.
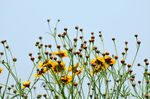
pixel 75 71
pixel 102 62
pixel 109 60
pixel 98 62
pixel 47 63
pixel 95 70
pixel 1 70
pixel 58 67
pixel 41 72
pixel 66 79
pixel 26 84
pixel 61 53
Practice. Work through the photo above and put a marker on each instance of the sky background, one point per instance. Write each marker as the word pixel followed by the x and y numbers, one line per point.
pixel 23 21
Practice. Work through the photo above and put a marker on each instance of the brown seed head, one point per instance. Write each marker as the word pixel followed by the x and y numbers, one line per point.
pixel 95 47
pixel 32 58
pixel 147 63
pixel 65 29
pixel 46 53
pixel 107 53
pixel 49 45
pixel 39 57
pixel 126 48
pixel 51 57
pixel 136 35
pixel 75 39
pixel 123 53
pixel 85 47
pixel 3 41
pixel 12 85
pixel 129 65
pixel 14 91
pixel 87 56
pixel 1 53
pixel 30 54
pixel 138 42
pixel 116 57
pixel 58 46
pixel 85 42
pixel 14 59
pixel 81 29
pixel 92 37
pixel 75 84
pixel 59 35
pixel 133 84
pixel 113 38
pixel 40 37
pixel 76 27
pixel 7 46
pixel 126 42
pixel 92 33
pixel 39 96
pixel 0 87
pixel 44 95
pixel 139 64
pixel 55 58
pixel 122 61
pixel 147 81
pixel 147 96
pixel 81 37
pixel 70 49
pixel 145 60
pixel 139 81
pixel 9 88
pixel 97 51
pixel 48 20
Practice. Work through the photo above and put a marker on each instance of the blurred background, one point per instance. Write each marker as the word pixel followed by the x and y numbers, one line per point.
pixel 23 21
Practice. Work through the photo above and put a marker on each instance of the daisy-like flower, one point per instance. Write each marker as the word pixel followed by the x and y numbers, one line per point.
pixel 98 62
pixel 26 84
pixel 47 63
pixel 95 70
pixel 74 69
pixel 61 53
pixel 109 60
pixel 66 79
pixel 58 67
pixel 1 70
pixel 41 72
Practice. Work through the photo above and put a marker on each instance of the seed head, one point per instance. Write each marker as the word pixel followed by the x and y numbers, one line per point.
pixel 75 84
pixel 81 29
pixel 136 35
pixel 139 42
pixel 113 39
pixel 14 59
pixel 48 20
pixel 32 58
pixel 65 29
pixel 76 27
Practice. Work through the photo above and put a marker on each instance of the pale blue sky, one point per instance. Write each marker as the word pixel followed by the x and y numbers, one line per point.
pixel 23 21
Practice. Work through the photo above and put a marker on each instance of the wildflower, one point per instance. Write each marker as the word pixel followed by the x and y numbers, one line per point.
pixel 61 53
pixel 109 60
pixel 95 70
pixel 58 67
pixel 1 70
pixel 26 84
pixel 41 72
pixel 47 63
pixel 98 62
pixel 66 79
pixel 74 69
